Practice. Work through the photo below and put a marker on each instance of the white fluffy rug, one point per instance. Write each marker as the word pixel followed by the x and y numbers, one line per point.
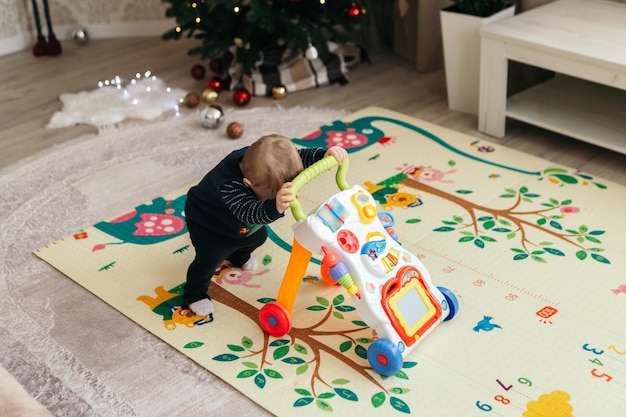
pixel 144 97
pixel 73 353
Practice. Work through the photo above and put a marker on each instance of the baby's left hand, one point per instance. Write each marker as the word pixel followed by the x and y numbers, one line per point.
pixel 284 197
pixel 338 152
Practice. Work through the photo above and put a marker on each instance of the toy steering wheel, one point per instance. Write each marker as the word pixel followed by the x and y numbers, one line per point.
pixel 313 172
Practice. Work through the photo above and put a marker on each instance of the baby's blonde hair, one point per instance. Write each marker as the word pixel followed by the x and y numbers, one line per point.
pixel 270 162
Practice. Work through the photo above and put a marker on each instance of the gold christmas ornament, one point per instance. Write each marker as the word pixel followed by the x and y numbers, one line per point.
pixel 279 92
pixel 210 96
pixel 234 130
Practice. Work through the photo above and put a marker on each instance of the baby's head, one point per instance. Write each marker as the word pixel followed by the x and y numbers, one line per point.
pixel 268 163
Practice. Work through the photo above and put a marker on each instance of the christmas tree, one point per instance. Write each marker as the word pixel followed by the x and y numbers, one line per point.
pixel 248 33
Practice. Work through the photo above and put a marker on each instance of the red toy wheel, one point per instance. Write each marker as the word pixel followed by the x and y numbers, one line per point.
pixel 275 319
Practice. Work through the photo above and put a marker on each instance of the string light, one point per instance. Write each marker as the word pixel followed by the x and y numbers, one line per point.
pixel 146 90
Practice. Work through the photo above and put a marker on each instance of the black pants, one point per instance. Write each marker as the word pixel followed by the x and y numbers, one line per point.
pixel 211 250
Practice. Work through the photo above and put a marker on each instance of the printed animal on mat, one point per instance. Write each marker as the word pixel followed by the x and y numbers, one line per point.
pixel 486 325
pixel 237 276
pixel 390 196
pixel 168 305
pixel 428 173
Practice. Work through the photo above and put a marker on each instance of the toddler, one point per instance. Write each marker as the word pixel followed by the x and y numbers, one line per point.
pixel 226 212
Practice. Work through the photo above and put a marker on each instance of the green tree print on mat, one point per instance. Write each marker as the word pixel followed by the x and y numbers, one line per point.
pixel 508 223
pixel 302 351
pixel 482 225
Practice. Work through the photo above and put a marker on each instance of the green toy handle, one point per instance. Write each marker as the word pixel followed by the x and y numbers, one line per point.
pixel 313 172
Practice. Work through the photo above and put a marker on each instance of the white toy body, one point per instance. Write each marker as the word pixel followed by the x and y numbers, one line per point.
pixel 396 296
pixel 392 290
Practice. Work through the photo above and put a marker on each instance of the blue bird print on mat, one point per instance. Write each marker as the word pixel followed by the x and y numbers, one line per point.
pixel 486 325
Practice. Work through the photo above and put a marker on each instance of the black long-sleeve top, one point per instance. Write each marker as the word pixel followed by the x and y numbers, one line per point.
pixel 222 203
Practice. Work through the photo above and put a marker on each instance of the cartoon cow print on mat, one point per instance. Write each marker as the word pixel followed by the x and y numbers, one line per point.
pixel 147 224
pixel 167 304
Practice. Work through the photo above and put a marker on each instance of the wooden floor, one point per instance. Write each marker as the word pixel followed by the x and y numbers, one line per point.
pixel 31 87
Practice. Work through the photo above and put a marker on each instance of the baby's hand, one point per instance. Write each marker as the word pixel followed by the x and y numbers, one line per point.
pixel 284 197
pixel 338 152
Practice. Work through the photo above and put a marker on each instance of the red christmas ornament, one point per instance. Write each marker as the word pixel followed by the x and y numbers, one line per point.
pixel 215 83
pixel 198 71
pixel 241 97
pixel 353 10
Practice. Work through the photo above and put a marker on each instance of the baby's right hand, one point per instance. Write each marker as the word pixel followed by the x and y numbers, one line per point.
pixel 284 197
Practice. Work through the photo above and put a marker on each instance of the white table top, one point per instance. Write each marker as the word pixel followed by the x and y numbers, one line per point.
pixel 589 30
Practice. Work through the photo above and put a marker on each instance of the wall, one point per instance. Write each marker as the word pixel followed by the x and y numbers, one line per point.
pixel 416 30
pixel 101 18
pixel 412 26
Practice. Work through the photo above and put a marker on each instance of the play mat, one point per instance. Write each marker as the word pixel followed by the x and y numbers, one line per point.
pixel 534 252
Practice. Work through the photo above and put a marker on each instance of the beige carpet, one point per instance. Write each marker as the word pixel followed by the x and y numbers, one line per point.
pixel 533 252
pixel 72 352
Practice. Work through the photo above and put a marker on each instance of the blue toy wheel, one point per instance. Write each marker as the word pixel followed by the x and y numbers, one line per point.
pixel 453 303
pixel 385 357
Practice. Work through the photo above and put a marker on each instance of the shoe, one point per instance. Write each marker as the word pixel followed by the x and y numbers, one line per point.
pixel 251 264
pixel 202 307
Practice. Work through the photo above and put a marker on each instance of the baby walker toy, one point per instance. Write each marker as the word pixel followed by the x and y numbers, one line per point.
pixel 391 289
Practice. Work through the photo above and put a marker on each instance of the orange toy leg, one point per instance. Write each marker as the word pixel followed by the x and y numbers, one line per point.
pixel 298 263
pixel 275 317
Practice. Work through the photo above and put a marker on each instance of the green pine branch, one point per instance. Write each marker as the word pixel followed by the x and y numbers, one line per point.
pixel 252 26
